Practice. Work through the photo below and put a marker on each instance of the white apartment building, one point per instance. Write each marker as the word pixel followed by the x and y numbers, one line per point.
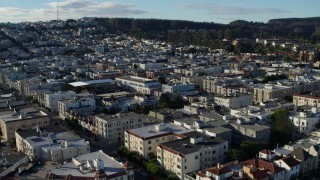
pixel 51 99
pixel 191 154
pixel 139 84
pixel 183 89
pixel 234 102
pixel 79 105
pixel 10 121
pixel 291 166
pixel 112 128
pixel 305 122
pixel 309 100
pixel 145 139
pixel 50 143
pixel 259 115
pixel 93 166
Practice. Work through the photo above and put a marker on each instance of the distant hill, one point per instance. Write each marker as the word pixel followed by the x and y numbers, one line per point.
pixel 210 33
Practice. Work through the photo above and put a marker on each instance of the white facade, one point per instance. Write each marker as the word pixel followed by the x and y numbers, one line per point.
pixel 290 169
pixel 65 105
pixel 234 101
pixel 50 146
pixel 139 84
pixel 305 122
pixel 96 166
pixel 191 154
pixel 112 128
pixel 145 140
pixel 51 99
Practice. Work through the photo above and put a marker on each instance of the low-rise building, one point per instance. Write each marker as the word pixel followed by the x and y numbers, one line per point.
pixel 139 84
pixel 50 143
pixel 145 140
pixel 312 99
pixel 233 102
pixel 93 166
pixel 250 132
pixel 51 99
pixel 10 121
pixel 267 92
pixel 191 154
pixel 77 106
pixel 305 122
pixel 111 128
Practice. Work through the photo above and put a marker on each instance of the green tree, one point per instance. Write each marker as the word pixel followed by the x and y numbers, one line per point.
pixel 281 128
pixel 236 154
pixel 164 100
pixel 251 148
pixel 162 80
pixel 177 102
pixel 173 177
pixel 123 151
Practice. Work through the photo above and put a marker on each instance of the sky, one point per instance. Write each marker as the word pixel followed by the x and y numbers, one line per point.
pixel 218 11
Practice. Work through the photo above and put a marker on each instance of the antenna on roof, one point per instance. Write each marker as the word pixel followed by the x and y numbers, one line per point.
pixel 58 14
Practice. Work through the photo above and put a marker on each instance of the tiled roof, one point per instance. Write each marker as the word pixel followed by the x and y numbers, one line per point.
pixel 219 171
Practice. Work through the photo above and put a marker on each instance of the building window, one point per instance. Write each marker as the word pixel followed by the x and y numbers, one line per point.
pixel 196 157
pixel 149 148
pixel 149 142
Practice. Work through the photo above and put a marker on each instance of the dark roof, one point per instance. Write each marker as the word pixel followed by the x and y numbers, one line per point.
pixel 290 161
pixel 45 129
pixel 301 154
pixel 184 146
pixel 260 174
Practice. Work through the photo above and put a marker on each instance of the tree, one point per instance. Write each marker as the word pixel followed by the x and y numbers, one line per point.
pixel 236 154
pixel 252 148
pixel 281 128
pixel 123 151
pixel 162 80
pixel 135 66
pixel 164 100
pixel 173 177
pixel 288 98
pixel 177 102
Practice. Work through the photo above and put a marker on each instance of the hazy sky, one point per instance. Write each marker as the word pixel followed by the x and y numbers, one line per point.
pixel 220 11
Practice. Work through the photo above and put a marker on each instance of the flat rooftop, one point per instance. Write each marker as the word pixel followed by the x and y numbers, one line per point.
pixel 150 131
pixel 184 146
pixel 111 166
pixel 23 114
pixel 91 82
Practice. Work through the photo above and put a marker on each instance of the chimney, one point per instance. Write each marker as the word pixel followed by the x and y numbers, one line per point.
pixel 218 165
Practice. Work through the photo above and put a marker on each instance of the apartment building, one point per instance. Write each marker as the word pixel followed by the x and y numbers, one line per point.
pixel 165 114
pixel 93 166
pixel 77 106
pixel 111 128
pixel 250 132
pixel 139 84
pixel 258 114
pixel 191 154
pixel 267 92
pixel 11 121
pixel 225 87
pixel 50 143
pixel 312 99
pixel 183 89
pixel 145 140
pixel 305 122
pixel 233 102
pixel 51 99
